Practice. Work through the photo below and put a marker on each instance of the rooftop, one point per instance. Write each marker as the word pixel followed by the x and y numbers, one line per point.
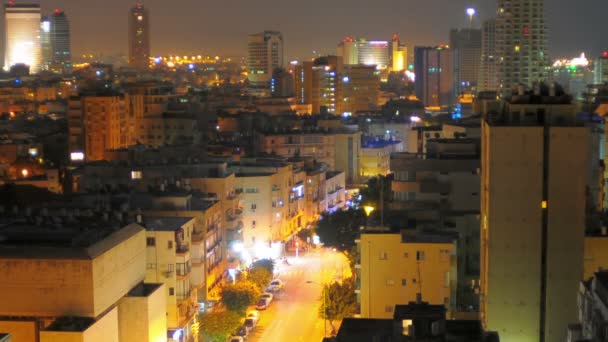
pixel 71 324
pixel 164 223
pixel 84 239
pixel 144 290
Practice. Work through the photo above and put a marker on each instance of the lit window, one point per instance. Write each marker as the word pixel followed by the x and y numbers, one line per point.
pixel 136 174
pixel 543 204
pixel 407 327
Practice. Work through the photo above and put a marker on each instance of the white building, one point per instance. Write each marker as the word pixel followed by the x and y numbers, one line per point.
pixel 22 36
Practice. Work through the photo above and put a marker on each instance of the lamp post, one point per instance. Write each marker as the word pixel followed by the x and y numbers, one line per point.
pixel 368 211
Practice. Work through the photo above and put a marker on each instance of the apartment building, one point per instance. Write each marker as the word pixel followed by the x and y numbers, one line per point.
pixel 337 147
pixel 79 279
pixel 394 267
pixel 375 157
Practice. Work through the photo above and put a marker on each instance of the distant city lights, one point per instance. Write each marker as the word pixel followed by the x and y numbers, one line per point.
pixel 581 61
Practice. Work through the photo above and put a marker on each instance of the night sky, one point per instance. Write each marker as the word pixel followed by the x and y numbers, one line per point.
pixel 221 27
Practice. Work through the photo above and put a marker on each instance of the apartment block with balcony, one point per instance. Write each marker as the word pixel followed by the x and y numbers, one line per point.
pixel 592 303
pixel 168 261
pixel 266 187
pixel 335 192
pixel 76 278
pixel 376 156
pixel 394 267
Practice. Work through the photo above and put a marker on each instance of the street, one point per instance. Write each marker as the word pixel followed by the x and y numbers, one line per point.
pixel 293 314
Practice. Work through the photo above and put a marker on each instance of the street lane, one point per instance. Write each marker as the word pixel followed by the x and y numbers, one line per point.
pixel 293 314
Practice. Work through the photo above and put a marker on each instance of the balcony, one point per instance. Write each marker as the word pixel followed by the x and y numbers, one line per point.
pixel 198 236
pixel 182 249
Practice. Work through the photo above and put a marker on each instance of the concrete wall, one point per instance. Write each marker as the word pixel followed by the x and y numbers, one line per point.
pixel 143 318
pixel 391 273
pixel 46 287
pixel 20 331
pixel 118 270
pixel 596 255
pixel 105 329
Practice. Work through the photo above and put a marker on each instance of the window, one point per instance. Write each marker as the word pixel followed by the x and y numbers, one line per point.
pixel 136 174
pixel 170 244
pixel 171 291
pixel 403 282
pixel 407 326
pixel 151 266
pixel 383 255
pixel 406 255
pixel 414 280
pixel 253 207
pixel 253 223
pixel 420 256
pixel 388 309
pixel 390 282
pixel 150 241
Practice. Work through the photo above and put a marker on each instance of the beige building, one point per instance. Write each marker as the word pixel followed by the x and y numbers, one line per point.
pixel 596 255
pixel 376 157
pixel 337 147
pixel 266 187
pixel 394 267
pixel 80 280
pixel 533 180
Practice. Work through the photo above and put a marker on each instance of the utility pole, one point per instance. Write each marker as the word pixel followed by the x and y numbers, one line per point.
pixel 381 201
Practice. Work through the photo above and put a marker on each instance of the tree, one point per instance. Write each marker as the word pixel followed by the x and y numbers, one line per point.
pixel 267 264
pixel 341 228
pixel 339 301
pixel 260 276
pixel 219 325
pixel 375 186
pixel 237 297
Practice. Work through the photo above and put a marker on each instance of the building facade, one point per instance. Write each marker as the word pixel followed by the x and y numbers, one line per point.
pixel 533 176
pixel 61 52
pixel 22 36
pixel 395 267
pixel 521 43
pixel 434 76
pixel 265 54
pixel 139 36
pixel 466 46
pixel 488 74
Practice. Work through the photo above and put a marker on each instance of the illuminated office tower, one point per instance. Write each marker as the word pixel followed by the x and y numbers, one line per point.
pixel 265 54
pixel 139 36
pixel 61 59
pixel 521 43
pixel 22 36
pixel 366 52
pixel 398 55
pixel 601 69
pixel 45 42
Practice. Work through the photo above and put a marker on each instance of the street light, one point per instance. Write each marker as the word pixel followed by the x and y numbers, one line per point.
pixel 368 210
pixel 324 292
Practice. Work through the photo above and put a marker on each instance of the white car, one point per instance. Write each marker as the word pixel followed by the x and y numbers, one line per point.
pixel 235 339
pixel 253 314
pixel 268 296
pixel 276 285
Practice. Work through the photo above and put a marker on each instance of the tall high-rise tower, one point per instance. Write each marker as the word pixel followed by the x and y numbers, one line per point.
pixel 434 75
pixel 60 41
pixel 265 54
pixel 521 42
pixel 22 36
pixel 466 44
pixel 534 176
pixel 488 79
pixel 139 36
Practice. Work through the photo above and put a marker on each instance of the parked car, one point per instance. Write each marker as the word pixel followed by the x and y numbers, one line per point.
pixel 254 314
pixel 250 323
pixel 268 296
pixel 242 332
pixel 236 339
pixel 276 285
pixel 262 304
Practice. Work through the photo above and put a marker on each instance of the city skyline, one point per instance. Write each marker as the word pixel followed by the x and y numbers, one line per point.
pixel 204 29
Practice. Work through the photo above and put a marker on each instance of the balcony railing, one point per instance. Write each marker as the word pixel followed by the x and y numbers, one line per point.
pixel 182 249
pixel 184 296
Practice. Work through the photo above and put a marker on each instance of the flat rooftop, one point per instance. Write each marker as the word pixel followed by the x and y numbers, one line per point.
pixel 164 223
pixel 71 324
pixel 82 239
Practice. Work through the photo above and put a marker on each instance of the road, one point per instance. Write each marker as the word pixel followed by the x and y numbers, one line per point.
pixel 293 314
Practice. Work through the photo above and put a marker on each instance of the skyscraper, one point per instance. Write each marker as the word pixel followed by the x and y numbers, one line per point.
pixel 139 36
pixel 45 42
pixel 534 176
pixel 60 41
pixel 601 69
pixel 434 76
pixel 488 78
pixel 521 42
pixel 466 47
pixel 265 54
pixel 22 36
